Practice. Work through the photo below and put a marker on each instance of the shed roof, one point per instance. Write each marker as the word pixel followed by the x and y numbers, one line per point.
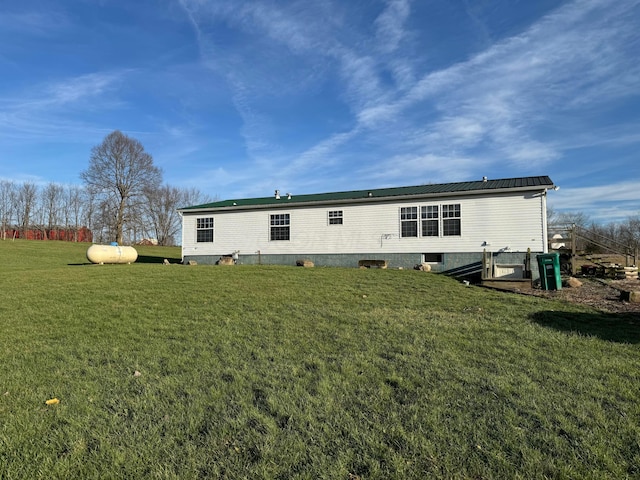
pixel 378 194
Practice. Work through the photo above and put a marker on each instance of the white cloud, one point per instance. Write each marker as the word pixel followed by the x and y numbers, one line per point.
pixel 495 108
pixel 41 111
pixel 507 90
pixel 63 92
pixel 390 25
pixel 603 203
pixel 82 87
pixel 41 23
pixel 420 169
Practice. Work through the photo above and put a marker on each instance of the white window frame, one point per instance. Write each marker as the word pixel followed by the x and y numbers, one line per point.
pixel 281 222
pixel 427 217
pixel 442 214
pixel 409 216
pixel 205 224
pixel 335 217
pixel 451 212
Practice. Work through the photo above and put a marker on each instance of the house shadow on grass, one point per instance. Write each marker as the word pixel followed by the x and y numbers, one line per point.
pixel 152 259
pixel 140 259
pixel 612 327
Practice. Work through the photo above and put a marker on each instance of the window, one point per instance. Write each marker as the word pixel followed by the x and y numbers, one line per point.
pixel 451 220
pixel 435 221
pixel 280 227
pixel 409 221
pixel 429 215
pixel 204 229
pixel 335 217
pixel 432 257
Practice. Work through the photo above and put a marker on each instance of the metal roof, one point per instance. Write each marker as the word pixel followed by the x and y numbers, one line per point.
pixel 377 194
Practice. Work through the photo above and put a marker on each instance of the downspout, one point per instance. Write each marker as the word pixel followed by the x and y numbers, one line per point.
pixel 181 237
pixel 545 233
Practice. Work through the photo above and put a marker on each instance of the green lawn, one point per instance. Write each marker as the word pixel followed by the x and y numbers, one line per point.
pixel 264 372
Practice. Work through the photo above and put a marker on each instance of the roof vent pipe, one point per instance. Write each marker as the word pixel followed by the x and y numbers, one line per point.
pixel 277 194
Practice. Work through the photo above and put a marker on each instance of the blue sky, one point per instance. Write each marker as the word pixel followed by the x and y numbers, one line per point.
pixel 238 98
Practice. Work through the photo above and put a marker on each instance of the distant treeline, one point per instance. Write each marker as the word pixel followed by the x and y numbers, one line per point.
pixel 82 234
pixel 72 213
pixel 610 236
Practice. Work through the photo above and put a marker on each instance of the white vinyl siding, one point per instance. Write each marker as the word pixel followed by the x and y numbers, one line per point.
pixel 512 221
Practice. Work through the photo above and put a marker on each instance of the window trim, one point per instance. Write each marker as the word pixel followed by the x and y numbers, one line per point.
pixel 409 219
pixel 205 224
pixel 427 218
pixel 452 216
pixel 444 218
pixel 279 227
pixel 336 219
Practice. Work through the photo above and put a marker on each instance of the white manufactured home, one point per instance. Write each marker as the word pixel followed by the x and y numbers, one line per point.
pixel 447 225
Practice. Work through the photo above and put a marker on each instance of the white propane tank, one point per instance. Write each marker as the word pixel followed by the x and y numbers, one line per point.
pixel 111 254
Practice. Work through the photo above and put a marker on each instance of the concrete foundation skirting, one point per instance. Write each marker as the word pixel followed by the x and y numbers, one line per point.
pixel 460 265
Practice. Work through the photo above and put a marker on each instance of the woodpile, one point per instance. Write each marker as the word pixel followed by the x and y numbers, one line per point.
pixel 627 273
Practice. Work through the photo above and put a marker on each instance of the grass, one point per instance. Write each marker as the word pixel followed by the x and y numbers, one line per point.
pixel 282 372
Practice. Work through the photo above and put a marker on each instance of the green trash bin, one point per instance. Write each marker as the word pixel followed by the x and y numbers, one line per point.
pixel 549 266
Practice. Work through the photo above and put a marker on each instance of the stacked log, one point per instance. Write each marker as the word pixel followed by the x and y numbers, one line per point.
pixel 627 273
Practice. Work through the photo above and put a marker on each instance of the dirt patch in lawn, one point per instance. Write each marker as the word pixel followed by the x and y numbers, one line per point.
pixel 601 294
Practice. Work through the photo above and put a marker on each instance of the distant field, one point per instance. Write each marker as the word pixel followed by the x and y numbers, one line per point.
pixel 265 372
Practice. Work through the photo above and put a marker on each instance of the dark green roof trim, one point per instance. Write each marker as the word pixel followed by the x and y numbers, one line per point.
pixel 377 194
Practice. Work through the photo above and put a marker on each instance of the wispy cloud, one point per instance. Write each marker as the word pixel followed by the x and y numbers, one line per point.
pixel 602 203
pixel 390 24
pixel 79 88
pixel 41 23
pixel 497 106
pixel 41 110
pixel 501 96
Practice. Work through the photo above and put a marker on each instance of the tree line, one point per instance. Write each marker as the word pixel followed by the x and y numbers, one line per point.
pixel 123 199
pixel 612 234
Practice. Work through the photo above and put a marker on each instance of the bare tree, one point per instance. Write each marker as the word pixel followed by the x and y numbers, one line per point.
pixel 630 231
pixel 193 196
pixel 88 209
pixel 25 205
pixel 52 202
pixel 162 214
pixel 580 219
pixel 119 172
pixel 75 206
pixel 7 204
